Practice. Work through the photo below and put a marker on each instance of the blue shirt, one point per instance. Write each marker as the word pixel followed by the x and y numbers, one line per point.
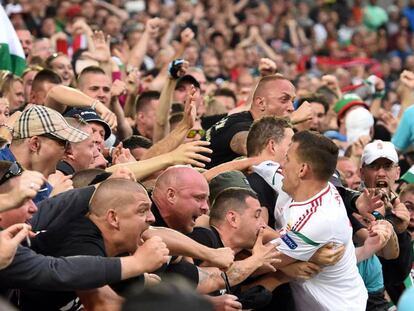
pixel 404 136
pixel 371 272
pixel 7 155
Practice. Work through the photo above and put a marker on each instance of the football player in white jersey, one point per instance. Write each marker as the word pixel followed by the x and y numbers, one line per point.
pixel 317 216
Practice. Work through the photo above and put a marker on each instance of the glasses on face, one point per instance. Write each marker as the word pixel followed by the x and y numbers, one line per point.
pixel 61 142
pixel 193 133
pixel 14 170
pixel 377 166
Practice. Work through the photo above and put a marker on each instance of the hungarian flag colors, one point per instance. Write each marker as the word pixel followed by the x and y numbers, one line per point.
pixel 11 52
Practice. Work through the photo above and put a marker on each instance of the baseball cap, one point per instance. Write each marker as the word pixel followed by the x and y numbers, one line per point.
pixel 227 180
pixel 347 101
pixel 358 122
pixel 187 79
pixel 379 149
pixel 90 115
pixel 40 120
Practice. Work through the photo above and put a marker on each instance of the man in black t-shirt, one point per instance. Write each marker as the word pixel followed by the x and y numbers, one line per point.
pixel 180 196
pixel 235 221
pixel 119 213
pixel 273 96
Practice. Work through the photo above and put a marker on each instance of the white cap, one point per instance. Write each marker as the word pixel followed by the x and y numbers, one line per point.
pixel 13 9
pixel 379 149
pixel 358 122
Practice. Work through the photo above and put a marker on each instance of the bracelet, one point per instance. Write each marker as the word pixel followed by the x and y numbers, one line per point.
pixel 94 103
pixel 9 128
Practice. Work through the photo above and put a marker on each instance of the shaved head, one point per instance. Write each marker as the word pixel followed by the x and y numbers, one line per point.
pixel 114 193
pixel 177 176
pixel 181 195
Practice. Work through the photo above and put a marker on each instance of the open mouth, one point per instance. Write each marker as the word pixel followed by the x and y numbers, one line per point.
pixel 382 184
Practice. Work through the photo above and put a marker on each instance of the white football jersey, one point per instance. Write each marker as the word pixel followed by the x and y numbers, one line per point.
pixel 311 225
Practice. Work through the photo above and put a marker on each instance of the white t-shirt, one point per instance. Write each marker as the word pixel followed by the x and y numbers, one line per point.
pixel 311 225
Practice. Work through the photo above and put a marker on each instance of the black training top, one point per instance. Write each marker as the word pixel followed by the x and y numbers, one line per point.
pixel 183 268
pixel 221 133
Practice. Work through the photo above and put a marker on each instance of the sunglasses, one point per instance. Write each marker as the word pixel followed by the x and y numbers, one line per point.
pixel 61 142
pixel 14 170
pixel 377 166
pixel 193 133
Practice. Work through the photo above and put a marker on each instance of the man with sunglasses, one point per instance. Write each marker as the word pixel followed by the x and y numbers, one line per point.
pixel 380 169
pixel 40 139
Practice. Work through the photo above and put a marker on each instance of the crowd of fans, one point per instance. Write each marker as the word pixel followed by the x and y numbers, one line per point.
pixel 208 155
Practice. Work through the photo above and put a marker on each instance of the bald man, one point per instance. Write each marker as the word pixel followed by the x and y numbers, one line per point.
pixel 119 214
pixel 273 96
pixel 179 198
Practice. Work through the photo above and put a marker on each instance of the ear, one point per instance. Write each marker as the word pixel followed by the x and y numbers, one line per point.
pixel 397 172
pixel 32 97
pixel 304 170
pixel 260 103
pixel 34 144
pixel 140 116
pixel 112 219
pixel 171 195
pixel 232 219
pixel 69 153
pixel 271 146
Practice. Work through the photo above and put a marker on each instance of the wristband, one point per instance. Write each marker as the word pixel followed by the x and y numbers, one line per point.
pixel 174 67
pixel 379 94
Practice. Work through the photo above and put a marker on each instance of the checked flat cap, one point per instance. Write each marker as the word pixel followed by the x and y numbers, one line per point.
pixel 40 120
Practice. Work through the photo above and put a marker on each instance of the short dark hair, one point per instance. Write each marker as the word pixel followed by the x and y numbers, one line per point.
pixel 317 98
pixel 318 151
pixel 227 93
pixel 136 141
pixel 144 100
pixel 91 69
pixel 262 131
pixel 229 199
pixel 45 75
pixel 264 81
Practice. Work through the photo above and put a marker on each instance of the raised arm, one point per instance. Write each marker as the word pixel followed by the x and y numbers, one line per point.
pixel 177 136
pixel 67 96
pixel 185 154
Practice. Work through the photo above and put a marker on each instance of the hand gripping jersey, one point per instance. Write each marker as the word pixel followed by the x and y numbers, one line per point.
pixel 312 224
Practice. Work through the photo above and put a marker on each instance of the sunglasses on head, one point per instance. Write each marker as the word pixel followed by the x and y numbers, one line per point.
pixel 14 170
pixel 193 133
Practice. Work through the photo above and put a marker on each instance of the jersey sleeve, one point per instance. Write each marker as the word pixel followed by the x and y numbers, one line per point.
pixel 304 240
pixel 404 135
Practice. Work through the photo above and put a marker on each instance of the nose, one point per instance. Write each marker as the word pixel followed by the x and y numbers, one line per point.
pixel 32 207
pixel 150 217
pixel 204 207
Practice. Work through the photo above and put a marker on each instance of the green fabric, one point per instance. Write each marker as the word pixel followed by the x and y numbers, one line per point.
pixel 409 176
pixel 374 17
pixel 11 62
pixel 305 239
